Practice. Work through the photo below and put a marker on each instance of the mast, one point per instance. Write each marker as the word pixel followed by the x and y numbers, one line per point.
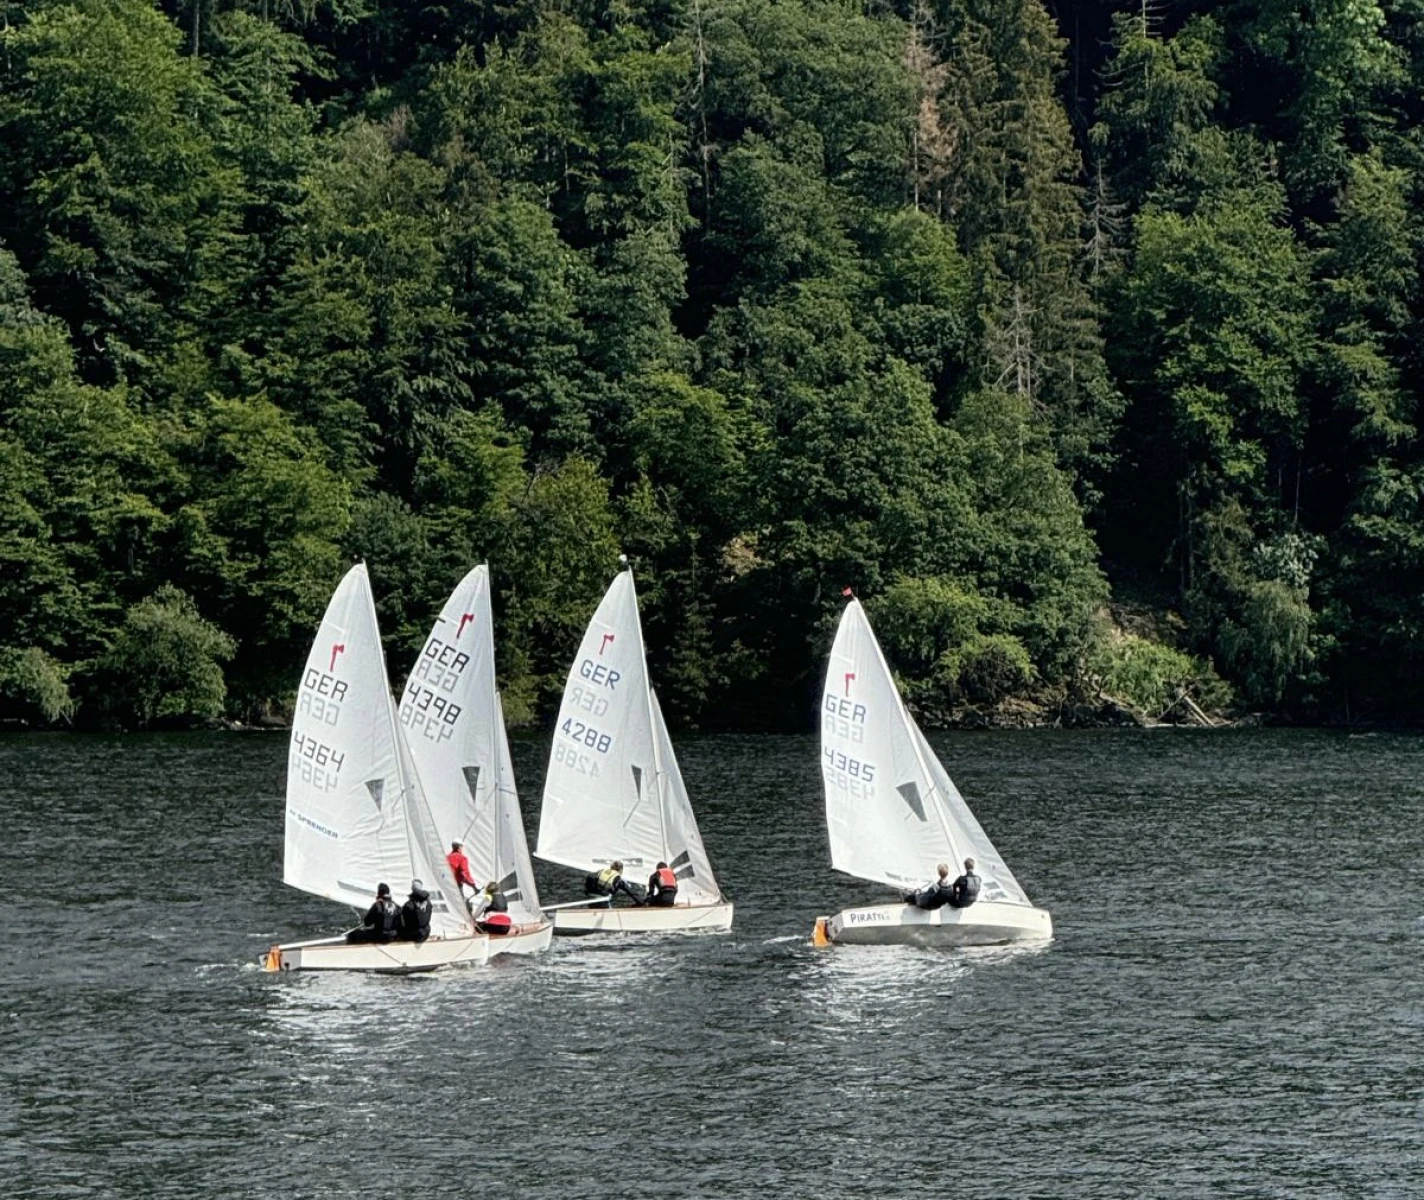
pixel 494 724
pixel 390 708
pixel 658 772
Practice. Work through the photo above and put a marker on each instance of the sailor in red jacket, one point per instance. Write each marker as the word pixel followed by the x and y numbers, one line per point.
pixel 460 868
pixel 662 886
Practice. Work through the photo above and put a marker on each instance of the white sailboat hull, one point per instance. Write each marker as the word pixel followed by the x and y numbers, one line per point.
pixel 680 918
pixel 408 958
pixel 386 958
pixel 984 924
pixel 533 938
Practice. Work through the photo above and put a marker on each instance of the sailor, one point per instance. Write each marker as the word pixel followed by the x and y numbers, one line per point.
pixel 492 911
pixel 460 868
pixel 609 882
pixel 936 894
pixel 965 890
pixel 415 914
pixel 382 920
pixel 662 886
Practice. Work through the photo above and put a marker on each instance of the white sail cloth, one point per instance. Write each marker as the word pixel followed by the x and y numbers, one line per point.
pixel 892 812
pixel 450 712
pixel 355 814
pixel 613 791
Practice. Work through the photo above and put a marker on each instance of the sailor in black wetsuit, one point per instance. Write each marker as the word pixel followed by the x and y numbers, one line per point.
pixel 382 921
pixel 964 890
pixel 415 914
pixel 933 895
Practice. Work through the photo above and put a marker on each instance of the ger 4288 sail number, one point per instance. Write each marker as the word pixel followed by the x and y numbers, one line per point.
pixel 586 735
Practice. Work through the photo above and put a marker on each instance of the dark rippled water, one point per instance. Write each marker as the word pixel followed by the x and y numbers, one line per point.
pixel 1232 1006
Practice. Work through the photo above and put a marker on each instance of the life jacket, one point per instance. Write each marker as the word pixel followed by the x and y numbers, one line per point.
pixel 498 923
pixel 415 917
pixel 606 878
pixel 968 893
pixel 387 914
pixel 667 879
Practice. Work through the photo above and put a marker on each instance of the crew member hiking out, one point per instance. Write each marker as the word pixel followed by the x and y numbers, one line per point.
pixel 609 882
pixel 965 890
pixel 935 894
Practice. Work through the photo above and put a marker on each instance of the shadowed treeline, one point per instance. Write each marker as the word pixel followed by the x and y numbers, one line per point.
pixel 1086 363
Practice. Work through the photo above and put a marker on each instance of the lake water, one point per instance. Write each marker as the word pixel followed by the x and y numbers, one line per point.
pixel 1232 1006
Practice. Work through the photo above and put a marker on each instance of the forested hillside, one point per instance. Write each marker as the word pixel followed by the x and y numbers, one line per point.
pixel 998 313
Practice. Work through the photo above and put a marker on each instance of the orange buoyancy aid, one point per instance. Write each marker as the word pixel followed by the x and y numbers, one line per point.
pixel 667 879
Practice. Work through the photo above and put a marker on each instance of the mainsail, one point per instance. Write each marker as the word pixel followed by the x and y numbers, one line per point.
pixel 613 790
pixel 451 714
pixel 356 816
pixel 892 812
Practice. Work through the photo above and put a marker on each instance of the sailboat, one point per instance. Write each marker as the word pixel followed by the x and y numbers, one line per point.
pixel 451 715
pixel 613 791
pixel 893 813
pixel 356 814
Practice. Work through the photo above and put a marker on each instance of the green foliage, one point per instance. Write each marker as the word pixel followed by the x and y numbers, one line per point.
pixel 920 621
pixel 115 198
pixel 1150 676
pixel 265 529
pixel 1266 643
pixel 165 664
pixel 930 299
pixel 32 683
pixel 986 669
pixel 559 553
pixel 947 643
pixel 1154 131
